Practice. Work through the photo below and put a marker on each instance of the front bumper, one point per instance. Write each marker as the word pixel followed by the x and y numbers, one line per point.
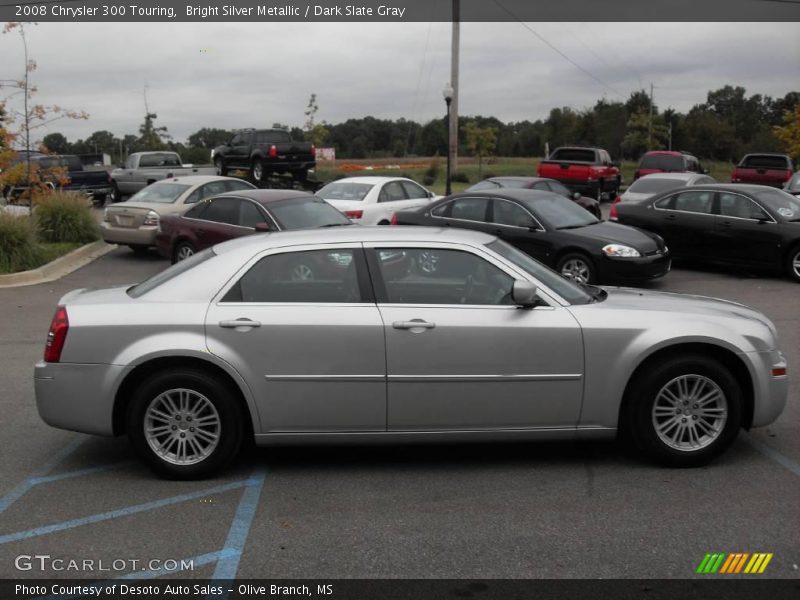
pixel 144 235
pixel 77 397
pixel 645 267
pixel 771 392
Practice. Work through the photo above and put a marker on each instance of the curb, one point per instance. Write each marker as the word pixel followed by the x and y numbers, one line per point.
pixel 58 268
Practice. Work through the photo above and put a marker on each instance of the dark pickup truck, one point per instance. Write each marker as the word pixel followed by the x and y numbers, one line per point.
pixel 94 183
pixel 764 169
pixel 589 171
pixel 265 152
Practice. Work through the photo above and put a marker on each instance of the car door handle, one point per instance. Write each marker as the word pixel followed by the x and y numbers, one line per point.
pixel 413 324
pixel 236 323
pixel 726 224
pixel 671 217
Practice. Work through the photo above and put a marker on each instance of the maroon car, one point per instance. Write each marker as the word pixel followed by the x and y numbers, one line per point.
pixel 538 183
pixel 235 214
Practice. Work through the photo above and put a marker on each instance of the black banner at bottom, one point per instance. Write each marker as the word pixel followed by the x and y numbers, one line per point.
pixel 405 589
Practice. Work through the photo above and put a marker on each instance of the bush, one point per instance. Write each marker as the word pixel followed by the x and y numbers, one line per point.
pixel 460 177
pixel 19 248
pixel 428 179
pixel 64 217
pixel 433 169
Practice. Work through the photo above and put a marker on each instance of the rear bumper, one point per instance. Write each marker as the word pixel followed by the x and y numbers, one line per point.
pixel 145 236
pixel 77 397
pixel 646 267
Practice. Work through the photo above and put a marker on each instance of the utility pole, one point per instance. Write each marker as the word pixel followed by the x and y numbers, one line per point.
pixel 650 124
pixel 452 150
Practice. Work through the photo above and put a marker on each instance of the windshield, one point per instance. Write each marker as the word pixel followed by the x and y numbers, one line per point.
pixel 764 161
pixel 654 185
pixel 571 292
pixel 663 162
pixel 557 212
pixel 162 193
pixel 306 213
pixel 345 190
pixel 780 202
pixel 794 184
pixel 170 273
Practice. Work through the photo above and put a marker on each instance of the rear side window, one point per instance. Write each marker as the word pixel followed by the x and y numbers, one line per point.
pixel 470 209
pixel 695 202
pixel 316 276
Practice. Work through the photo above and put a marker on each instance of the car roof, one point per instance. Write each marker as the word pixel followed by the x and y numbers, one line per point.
pixel 195 179
pixel 685 175
pixel 728 187
pixel 517 178
pixel 354 233
pixel 268 196
pixel 668 152
pixel 373 179
pixel 519 194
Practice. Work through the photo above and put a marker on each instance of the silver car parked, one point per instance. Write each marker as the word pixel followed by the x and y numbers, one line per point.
pixel 343 335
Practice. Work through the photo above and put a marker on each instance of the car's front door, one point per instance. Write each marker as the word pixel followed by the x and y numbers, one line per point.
pixel 303 330
pixel 688 223
pixel 744 232
pixel 460 355
pixel 518 227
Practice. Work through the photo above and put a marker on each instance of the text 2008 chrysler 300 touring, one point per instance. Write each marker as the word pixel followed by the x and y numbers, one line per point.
pixel 346 335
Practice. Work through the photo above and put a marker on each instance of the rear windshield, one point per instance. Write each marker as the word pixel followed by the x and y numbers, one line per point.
pixel 272 137
pixel 345 190
pixel 763 161
pixel 306 213
pixel 72 163
pixel 170 273
pixel 161 193
pixel 654 185
pixel 794 184
pixel 573 155
pixel 160 159
pixel 663 162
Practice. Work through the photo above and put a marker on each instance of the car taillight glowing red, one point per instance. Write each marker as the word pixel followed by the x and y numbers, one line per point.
pixel 394 219
pixel 612 213
pixel 273 151
pixel 354 214
pixel 56 336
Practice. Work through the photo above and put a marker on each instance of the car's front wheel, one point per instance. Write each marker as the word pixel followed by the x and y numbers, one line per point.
pixel 577 267
pixel 685 411
pixel 793 263
pixel 185 424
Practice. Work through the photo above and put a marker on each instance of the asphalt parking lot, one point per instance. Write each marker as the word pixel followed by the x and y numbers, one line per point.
pixel 501 511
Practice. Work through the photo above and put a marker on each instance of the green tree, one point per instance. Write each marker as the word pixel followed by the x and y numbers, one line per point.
pixel 639 137
pixel 480 141
pixel 209 137
pixel 150 136
pixel 789 132
pixel 316 133
pixel 56 142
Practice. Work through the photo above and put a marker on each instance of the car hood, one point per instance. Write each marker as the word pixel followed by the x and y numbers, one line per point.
pixel 686 304
pixel 616 233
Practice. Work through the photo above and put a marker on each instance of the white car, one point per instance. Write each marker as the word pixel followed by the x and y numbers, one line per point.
pixel 655 183
pixel 373 200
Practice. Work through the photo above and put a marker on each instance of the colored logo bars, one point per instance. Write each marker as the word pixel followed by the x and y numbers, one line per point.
pixel 737 562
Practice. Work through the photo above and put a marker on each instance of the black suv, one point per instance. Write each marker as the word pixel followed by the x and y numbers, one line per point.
pixel 265 152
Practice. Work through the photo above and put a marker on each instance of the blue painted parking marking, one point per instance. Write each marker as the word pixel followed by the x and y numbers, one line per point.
pixel 770 452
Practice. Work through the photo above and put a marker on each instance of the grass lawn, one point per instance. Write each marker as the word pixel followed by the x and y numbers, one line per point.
pixel 46 252
pixel 415 168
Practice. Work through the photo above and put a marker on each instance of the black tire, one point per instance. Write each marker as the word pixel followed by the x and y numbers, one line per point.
pixel 229 428
pixel 222 170
pixel 182 251
pixel 257 170
pixel 139 248
pixel 641 418
pixel 116 196
pixel 578 267
pixel 793 264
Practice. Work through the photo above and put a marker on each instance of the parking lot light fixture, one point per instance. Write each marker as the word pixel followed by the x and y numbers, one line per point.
pixel 447 92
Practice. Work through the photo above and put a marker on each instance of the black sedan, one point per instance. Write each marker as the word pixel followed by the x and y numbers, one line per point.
pixel 749 225
pixel 553 230
pixel 537 183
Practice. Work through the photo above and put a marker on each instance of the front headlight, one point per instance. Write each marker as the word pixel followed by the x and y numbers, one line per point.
pixel 151 218
pixel 620 251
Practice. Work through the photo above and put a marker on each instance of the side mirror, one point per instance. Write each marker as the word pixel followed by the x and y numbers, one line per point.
pixel 524 293
pixel 262 227
pixel 576 195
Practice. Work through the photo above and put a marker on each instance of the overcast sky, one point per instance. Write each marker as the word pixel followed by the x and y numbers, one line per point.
pixel 232 75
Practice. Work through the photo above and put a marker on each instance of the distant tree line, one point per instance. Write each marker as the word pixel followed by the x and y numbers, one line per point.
pixel 724 127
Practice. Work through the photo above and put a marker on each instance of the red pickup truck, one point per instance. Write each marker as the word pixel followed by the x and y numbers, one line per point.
pixel 589 171
pixel 764 169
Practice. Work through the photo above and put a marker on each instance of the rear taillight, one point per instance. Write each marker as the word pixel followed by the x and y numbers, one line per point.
pixel 354 214
pixel 612 212
pixel 394 219
pixel 617 200
pixel 779 372
pixel 273 151
pixel 56 336
pixel 314 151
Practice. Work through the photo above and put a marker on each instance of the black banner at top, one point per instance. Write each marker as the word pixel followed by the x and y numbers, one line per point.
pixel 399 11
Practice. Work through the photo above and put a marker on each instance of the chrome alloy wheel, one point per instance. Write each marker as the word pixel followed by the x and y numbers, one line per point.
pixel 795 264
pixel 428 261
pixel 302 272
pixel 689 413
pixel 258 170
pixel 184 252
pixel 576 269
pixel 182 426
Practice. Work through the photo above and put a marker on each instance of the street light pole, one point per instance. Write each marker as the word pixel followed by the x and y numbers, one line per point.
pixel 447 92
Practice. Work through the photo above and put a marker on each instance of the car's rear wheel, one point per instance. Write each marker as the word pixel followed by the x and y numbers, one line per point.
pixel 685 411
pixel 793 263
pixel 577 267
pixel 116 196
pixel 185 424
pixel 257 170
pixel 182 251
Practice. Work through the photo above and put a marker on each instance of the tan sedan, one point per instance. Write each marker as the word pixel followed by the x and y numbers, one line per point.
pixel 135 222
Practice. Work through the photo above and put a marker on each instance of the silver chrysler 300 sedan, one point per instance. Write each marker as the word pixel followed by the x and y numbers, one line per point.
pixel 345 335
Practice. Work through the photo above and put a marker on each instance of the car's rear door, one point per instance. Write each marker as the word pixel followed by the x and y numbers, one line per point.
pixel 303 330
pixel 744 232
pixel 460 356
